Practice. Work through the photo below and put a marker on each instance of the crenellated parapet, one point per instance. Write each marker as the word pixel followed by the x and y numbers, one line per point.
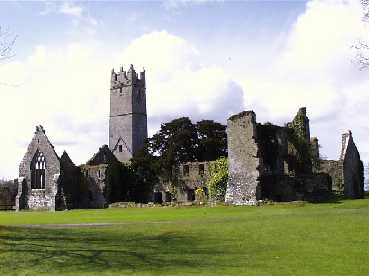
pixel 128 118
pixel 122 78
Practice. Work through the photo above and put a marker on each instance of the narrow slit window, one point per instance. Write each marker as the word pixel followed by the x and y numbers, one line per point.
pixel 186 170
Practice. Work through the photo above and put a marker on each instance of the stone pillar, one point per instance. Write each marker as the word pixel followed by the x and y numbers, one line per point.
pixel 20 200
pixel 315 156
pixel 54 192
pixel 243 187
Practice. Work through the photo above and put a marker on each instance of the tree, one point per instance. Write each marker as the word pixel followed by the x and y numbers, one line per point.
pixel 175 143
pixel 361 46
pixel 212 139
pixel 180 141
pixel 217 181
pixel 145 168
pixel 7 41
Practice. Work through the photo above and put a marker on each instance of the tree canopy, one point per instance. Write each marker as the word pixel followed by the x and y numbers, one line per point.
pixel 180 141
pixel 7 41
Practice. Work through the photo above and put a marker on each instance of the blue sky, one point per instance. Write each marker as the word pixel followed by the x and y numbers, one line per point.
pixel 203 59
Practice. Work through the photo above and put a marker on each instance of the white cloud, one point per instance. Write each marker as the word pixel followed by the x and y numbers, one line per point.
pixel 66 90
pixel 176 4
pixel 71 9
pixel 80 16
pixel 178 85
pixel 56 91
pixel 67 8
pixel 316 69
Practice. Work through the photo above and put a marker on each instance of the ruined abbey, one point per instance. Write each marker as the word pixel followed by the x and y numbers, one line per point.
pixel 266 162
pixel 47 181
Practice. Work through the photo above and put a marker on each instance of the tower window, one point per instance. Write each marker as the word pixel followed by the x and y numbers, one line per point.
pixel 120 148
pixel 201 169
pixel 38 171
pixel 186 170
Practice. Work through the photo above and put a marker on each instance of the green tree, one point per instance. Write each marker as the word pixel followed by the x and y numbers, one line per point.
pixel 145 169
pixel 175 143
pixel 7 41
pixel 212 140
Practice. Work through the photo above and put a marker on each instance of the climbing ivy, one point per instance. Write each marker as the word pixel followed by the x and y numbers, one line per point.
pixel 217 181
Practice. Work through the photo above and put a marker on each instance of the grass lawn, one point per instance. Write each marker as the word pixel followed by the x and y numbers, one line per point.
pixel 282 239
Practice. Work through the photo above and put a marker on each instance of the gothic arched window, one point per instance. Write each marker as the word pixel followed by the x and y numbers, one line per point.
pixel 38 167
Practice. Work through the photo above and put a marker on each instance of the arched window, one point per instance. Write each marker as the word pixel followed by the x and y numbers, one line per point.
pixel 38 167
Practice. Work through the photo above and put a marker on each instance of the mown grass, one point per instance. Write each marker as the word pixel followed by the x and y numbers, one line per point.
pixel 282 239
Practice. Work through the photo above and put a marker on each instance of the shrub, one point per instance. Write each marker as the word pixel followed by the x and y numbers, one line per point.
pixel 200 195
pixel 217 181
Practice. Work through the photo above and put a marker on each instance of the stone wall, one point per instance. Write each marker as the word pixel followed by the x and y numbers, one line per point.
pixel 334 168
pixel 313 187
pixel 103 178
pixel 128 119
pixel 8 192
pixel 272 141
pixel 353 169
pixel 243 158
pixel 46 196
pixel 347 173
pixel 299 150
pixel 272 162
pixel 75 190
pixel 97 185
pixel 189 177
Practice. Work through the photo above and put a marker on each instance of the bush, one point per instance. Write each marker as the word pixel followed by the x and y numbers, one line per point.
pixel 200 195
pixel 217 181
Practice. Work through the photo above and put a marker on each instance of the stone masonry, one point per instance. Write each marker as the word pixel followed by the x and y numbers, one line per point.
pixel 8 192
pixel 266 161
pixel 243 156
pixel 189 177
pixel 39 171
pixel 347 173
pixel 128 119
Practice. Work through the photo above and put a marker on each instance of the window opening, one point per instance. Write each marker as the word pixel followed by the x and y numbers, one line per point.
pixel 38 171
pixel 186 170
pixel 201 169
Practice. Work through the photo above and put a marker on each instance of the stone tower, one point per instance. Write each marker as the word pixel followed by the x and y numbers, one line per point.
pixel 128 119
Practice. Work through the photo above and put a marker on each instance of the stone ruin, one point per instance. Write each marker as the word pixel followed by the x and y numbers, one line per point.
pixel 39 176
pixel 102 173
pixel 52 183
pixel 8 192
pixel 49 182
pixel 265 162
pixel 283 164
pixel 189 176
pixel 347 173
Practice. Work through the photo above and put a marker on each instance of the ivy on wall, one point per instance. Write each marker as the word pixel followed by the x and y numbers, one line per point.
pixel 217 181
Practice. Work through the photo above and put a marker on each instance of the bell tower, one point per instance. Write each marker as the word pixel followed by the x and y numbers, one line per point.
pixel 128 118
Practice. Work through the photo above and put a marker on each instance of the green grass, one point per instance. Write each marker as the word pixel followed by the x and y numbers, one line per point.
pixel 282 239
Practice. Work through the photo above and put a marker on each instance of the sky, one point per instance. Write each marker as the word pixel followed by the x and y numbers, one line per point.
pixel 203 59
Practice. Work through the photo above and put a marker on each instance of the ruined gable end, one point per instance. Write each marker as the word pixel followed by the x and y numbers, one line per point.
pixel 353 169
pixel 39 172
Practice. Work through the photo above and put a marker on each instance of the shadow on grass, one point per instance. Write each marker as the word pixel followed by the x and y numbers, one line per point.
pixel 325 198
pixel 112 250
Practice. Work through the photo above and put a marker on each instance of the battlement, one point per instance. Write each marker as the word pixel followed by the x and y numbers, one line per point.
pixel 129 77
